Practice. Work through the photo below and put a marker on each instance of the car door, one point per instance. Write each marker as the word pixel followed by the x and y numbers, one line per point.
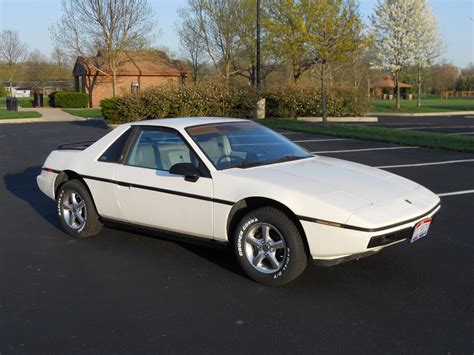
pixel 99 175
pixel 149 195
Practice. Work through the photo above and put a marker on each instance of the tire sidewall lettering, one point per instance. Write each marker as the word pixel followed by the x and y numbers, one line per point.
pixel 242 234
pixel 60 199
pixel 280 272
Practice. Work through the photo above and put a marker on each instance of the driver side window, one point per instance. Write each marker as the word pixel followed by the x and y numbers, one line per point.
pixel 159 149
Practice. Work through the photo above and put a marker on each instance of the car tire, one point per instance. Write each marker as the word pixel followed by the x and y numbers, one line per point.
pixel 76 210
pixel 269 247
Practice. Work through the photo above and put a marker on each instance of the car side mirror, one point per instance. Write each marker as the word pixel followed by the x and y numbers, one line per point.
pixel 188 170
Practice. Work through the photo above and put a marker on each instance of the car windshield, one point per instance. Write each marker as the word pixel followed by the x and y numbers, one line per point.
pixel 244 145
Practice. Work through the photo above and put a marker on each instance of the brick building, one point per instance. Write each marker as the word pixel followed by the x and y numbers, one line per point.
pixel 136 71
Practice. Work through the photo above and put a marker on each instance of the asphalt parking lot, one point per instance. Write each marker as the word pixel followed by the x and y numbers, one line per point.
pixel 123 292
pixel 455 125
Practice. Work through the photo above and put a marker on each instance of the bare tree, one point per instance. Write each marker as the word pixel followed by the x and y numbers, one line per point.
pixel 37 68
pixel 110 26
pixel 12 51
pixel 218 22
pixel 443 76
pixel 60 57
pixel 190 39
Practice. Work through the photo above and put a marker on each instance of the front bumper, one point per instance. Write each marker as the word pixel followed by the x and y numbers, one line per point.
pixel 46 182
pixel 327 243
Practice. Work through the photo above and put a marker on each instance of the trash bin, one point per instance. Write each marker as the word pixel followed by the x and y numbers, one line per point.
pixel 12 103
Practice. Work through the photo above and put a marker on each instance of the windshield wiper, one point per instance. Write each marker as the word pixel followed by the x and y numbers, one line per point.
pixel 247 164
pixel 286 158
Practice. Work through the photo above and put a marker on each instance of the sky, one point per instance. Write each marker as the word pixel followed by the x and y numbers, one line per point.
pixel 32 19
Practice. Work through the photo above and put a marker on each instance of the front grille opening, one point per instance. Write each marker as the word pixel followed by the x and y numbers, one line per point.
pixel 389 238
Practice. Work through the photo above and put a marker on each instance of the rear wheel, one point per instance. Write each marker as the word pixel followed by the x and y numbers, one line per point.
pixel 269 247
pixel 76 209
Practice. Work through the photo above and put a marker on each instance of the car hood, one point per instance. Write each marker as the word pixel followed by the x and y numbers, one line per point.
pixel 371 184
pixel 332 189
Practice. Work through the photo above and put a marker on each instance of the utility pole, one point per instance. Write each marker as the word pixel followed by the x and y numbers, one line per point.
pixel 257 71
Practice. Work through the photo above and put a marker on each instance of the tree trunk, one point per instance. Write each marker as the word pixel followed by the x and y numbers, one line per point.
pixel 10 73
pixel 114 82
pixel 323 96
pixel 397 86
pixel 418 99
pixel 227 71
pixel 296 75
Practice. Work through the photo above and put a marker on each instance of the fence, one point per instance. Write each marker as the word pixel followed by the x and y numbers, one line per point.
pixel 447 94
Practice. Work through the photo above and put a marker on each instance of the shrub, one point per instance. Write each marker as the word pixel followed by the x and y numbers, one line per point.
pixel 294 101
pixel 229 101
pixel 26 103
pixel 181 101
pixel 68 99
pixel 3 91
pixel 109 107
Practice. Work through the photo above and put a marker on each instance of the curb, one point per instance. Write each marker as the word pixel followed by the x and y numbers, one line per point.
pixel 23 120
pixel 34 120
pixel 340 119
pixel 424 114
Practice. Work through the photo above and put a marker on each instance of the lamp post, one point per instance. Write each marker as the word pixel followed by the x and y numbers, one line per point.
pixel 257 79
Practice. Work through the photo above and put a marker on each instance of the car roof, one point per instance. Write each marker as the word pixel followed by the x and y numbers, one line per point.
pixel 185 122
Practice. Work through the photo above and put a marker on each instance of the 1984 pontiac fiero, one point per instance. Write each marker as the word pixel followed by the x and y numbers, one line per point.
pixel 237 182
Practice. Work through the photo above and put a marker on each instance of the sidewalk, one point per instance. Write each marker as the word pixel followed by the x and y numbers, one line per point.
pixel 52 114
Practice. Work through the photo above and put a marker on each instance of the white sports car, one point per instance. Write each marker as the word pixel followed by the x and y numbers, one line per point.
pixel 237 182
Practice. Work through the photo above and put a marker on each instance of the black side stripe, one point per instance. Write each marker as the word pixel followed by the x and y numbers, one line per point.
pixel 230 203
pixel 157 189
pixel 347 226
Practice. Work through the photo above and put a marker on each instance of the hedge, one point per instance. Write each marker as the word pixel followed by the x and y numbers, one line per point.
pixel 295 101
pixel 68 99
pixel 181 101
pixel 218 100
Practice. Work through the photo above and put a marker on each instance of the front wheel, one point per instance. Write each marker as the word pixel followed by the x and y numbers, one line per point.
pixel 269 247
pixel 77 212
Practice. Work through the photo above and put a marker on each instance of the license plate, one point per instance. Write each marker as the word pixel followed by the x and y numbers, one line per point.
pixel 421 229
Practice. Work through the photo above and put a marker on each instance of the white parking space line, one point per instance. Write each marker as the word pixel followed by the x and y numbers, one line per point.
pixel 460 133
pixel 465 192
pixel 289 133
pixel 362 150
pixel 322 140
pixel 426 164
pixel 431 127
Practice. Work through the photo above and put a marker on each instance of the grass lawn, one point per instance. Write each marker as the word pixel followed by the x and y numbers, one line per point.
pixel 4 114
pixel 379 134
pixel 428 105
pixel 84 112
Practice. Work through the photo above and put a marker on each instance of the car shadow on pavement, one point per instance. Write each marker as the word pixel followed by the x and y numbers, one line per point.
pixel 91 123
pixel 23 185
pixel 218 254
